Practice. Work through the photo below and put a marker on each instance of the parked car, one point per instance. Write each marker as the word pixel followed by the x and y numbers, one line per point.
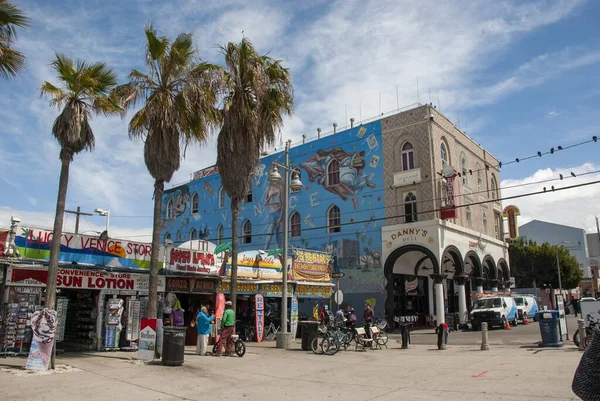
pixel 495 311
pixel 527 307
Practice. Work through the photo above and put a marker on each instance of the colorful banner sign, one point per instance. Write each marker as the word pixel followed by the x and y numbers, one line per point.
pixel 511 212
pixel 242 288
pixel 191 261
pixel 294 317
pixel 275 290
pixel 311 266
pixel 205 172
pixel 82 279
pixel 260 317
pixel 43 324
pixel 219 310
pixel 313 291
pixel 148 329
pixel 254 264
pixel 34 243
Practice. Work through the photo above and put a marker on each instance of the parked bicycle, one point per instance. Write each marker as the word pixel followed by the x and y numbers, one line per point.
pixel 238 345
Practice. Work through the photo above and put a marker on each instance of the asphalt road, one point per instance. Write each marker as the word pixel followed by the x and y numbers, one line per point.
pixel 524 335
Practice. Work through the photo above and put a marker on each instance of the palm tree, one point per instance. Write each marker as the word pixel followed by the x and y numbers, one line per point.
pixel 84 91
pixel 11 60
pixel 178 97
pixel 258 92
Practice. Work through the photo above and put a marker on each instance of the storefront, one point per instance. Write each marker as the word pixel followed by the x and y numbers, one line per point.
pixel 97 309
pixel 309 293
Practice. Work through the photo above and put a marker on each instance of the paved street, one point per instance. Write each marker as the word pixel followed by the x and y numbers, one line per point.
pixel 419 373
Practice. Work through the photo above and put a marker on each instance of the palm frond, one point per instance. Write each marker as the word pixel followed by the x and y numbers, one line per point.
pixel 57 95
pixel 12 62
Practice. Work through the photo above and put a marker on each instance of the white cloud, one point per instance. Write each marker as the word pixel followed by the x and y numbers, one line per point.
pixel 573 207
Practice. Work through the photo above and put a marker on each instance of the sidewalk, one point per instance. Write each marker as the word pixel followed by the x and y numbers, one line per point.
pixel 418 373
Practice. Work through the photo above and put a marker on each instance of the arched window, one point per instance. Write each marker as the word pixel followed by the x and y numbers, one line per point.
pixel 169 212
pixel 485 222
pixel 219 234
pixel 334 219
pixel 408 156
pixel 333 173
pixel 494 188
pixel 479 179
pixel 221 198
pixel 410 208
pixel 463 168
pixel 247 232
pixel 178 235
pixel 444 155
pixel 195 203
pixel 167 236
pixel 468 216
pixel 296 224
pixel 193 234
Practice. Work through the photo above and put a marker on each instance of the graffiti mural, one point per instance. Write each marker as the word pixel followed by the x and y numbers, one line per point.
pixel 342 170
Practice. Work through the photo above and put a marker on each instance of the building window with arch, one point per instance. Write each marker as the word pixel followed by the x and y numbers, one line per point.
pixel 469 217
pixel 479 178
pixel 193 234
pixel 167 236
pixel 485 222
pixel 296 224
pixel 247 232
pixel 444 155
pixel 334 220
pixel 195 203
pixel 463 169
pixel 494 188
pixel 178 235
pixel 498 226
pixel 410 208
pixel 219 234
pixel 169 211
pixel 333 173
pixel 408 156
pixel 221 198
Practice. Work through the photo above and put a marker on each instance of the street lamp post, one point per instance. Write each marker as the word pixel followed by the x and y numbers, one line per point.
pixel 284 337
pixel 560 281
pixel 106 213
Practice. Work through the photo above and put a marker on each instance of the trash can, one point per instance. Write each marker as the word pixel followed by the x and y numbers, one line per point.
pixel 173 345
pixel 310 331
pixel 549 321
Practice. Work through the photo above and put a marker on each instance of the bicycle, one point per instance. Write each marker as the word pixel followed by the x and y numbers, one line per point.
pixel 271 332
pixel 238 345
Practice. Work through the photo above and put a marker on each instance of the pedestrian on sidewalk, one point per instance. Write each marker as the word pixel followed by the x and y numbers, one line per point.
pixel 227 325
pixel 575 305
pixel 368 318
pixel 203 327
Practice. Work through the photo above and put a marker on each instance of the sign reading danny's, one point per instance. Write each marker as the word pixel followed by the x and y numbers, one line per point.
pixel 411 235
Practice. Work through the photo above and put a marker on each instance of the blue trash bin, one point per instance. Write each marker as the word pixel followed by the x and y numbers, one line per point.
pixel 549 321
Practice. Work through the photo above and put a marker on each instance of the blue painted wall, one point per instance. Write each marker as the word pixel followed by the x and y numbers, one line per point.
pixel 360 197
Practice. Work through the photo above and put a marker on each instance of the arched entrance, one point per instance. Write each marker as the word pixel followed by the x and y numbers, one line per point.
pixel 474 269
pixel 503 273
pixel 490 273
pixel 407 290
pixel 453 265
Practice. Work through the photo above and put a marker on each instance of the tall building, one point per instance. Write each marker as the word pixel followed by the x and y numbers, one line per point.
pixel 409 204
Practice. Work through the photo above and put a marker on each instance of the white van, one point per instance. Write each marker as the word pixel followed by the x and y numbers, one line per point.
pixel 527 307
pixel 495 311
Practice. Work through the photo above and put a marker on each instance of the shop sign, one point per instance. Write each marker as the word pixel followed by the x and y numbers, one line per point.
pixel 311 266
pixel 313 291
pixel 294 316
pixel 275 290
pixel 511 212
pixel 82 279
pixel 411 285
pixel 409 177
pixel 448 211
pixel 253 264
pixel 178 284
pixel 147 339
pixel 205 172
pixel 203 286
pixel 259 306
pixel 34 243
pixel 405 236
pixel 242 288
pixel 191 261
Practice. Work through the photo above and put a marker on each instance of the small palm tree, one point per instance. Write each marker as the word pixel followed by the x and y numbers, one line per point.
pixel 259 91
pixel 178 97
pixel 11 60
pixel 84 91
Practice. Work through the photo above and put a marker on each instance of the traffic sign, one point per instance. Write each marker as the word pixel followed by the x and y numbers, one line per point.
pixel 338 275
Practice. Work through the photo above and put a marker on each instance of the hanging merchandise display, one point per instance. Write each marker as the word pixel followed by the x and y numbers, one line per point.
pixel 62 305
pixel 43 325
pixel 133 320
pixel 113 326
pixel 17 313
pixel 80 323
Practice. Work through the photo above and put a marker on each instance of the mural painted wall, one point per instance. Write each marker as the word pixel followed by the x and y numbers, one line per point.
pixel 358 193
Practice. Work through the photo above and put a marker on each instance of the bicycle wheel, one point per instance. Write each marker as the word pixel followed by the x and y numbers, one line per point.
pixel 214 351
pixel 330 346
pixel 240 348
pixel 316 345
pixel 576 338
pixel 382 338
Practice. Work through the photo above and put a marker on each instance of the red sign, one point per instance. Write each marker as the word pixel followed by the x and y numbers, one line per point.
pixel 187 260
pixel 205 172
pixel 260 317
pixel 449 210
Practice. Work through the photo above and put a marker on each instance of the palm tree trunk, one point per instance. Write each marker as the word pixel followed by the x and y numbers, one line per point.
pixel 234 252
pixel 63 184
pixel 159 187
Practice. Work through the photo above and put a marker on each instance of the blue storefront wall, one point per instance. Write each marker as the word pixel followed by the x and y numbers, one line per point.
pixel 359 196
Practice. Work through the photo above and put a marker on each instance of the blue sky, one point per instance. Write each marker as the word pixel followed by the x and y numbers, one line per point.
pixel 516 76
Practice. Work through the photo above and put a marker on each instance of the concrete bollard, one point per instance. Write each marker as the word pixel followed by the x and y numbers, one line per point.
pixel 581 324
pixel 484 337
